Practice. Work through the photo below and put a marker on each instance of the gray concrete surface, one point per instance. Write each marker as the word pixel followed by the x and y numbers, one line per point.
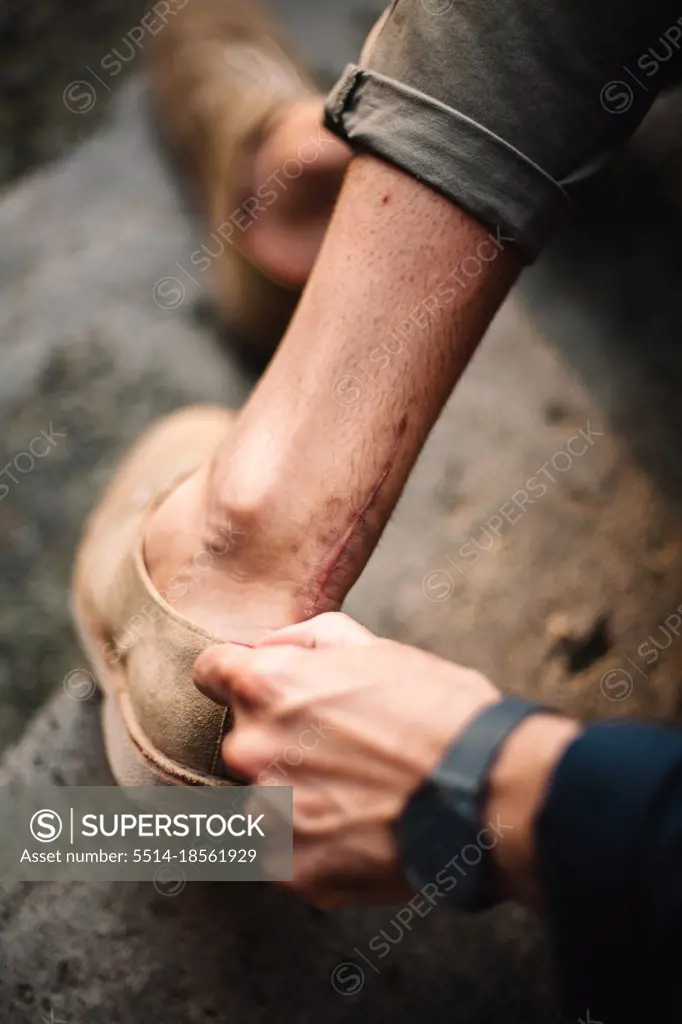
pixel 560 604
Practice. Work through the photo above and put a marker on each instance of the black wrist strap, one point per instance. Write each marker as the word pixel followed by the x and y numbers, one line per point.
pixel 466 765
pixel 463 774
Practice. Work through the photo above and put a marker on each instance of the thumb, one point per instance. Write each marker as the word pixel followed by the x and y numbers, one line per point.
pixel 223 673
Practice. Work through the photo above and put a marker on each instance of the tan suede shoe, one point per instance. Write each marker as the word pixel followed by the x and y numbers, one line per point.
pixel 220 72
pixel 158 728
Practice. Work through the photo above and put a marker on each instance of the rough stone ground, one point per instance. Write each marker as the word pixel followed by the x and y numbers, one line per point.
pixel 559 605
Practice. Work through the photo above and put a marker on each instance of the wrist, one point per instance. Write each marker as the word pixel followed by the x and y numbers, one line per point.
pixel 518 783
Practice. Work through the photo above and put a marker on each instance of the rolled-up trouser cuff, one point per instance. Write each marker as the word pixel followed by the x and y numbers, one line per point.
pixel 451 153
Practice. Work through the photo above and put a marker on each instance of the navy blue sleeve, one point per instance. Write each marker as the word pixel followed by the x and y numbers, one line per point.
pixel 609 841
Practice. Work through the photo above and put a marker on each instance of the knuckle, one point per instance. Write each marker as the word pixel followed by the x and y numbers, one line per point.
pixel 275 663
pixel 339 628
pixel 334 619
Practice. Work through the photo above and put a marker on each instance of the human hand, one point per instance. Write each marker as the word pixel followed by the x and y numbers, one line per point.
pixel 353 723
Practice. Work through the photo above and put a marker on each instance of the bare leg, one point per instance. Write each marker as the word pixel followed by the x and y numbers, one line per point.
pixel 404 287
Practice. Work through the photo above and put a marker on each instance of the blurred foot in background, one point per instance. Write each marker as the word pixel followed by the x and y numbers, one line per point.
pixel 244 122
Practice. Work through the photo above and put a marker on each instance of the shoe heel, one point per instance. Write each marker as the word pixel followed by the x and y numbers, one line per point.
pixel 128 766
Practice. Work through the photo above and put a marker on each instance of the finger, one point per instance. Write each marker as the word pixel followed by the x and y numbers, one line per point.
pixel 332 629
pixel 224 674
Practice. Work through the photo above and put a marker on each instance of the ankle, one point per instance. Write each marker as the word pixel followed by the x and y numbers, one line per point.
pixel 258 533
pixel 203 567
pixel 228 564
pixel 309 562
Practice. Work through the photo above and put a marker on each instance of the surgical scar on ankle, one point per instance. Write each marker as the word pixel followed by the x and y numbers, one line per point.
pixel 341 567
